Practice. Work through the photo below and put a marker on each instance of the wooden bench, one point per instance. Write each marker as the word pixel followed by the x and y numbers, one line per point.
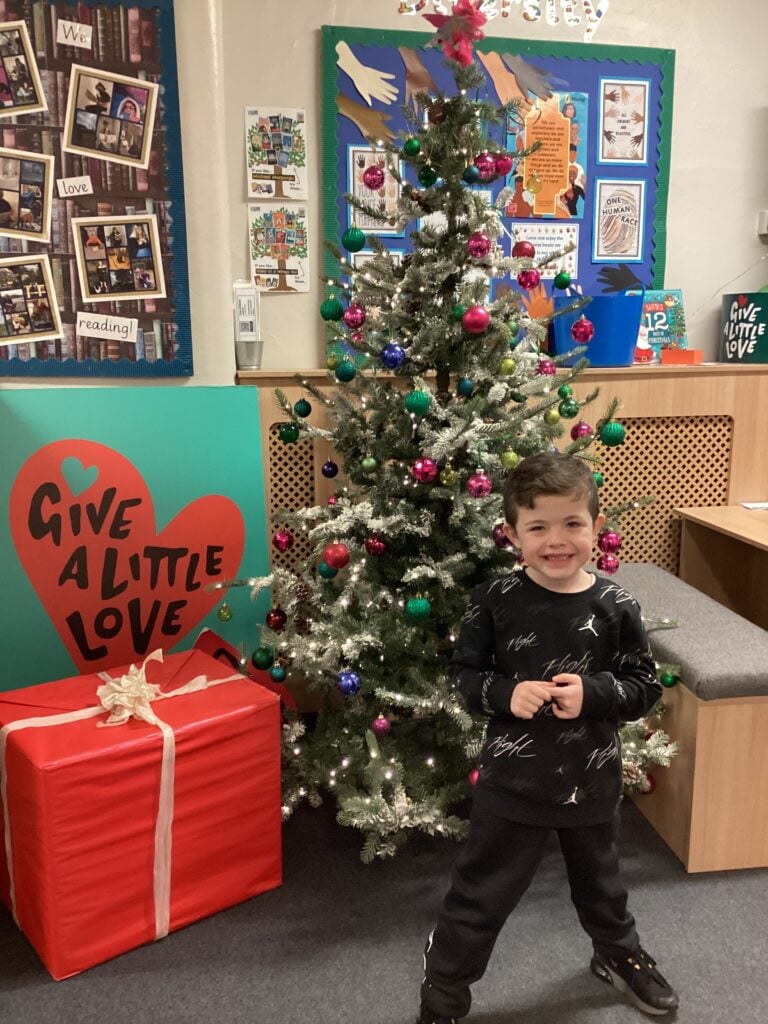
pixel 711 804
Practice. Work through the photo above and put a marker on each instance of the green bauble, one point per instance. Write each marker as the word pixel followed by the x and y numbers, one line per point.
pixel 427 175
pixel 263 658
pixel 668 679
pixel 369 464
pixel 417 402
pixel 471 175
pixel 412 147
pixel 346 371
pixel 598 478
pixel 224 614
pixel 417 609
pixel 514 330
pixel 458 311
pixel 518 396
pixel 551 417
pixel 327 571
pixel 302 408
pixel 507 366
pixel 509 459
pixel 331 309
pixel 568 408
pixel 353 239
pixel 565 391
pixel 612 434
pixel 562 280
pixel 448 476
pixel 288 432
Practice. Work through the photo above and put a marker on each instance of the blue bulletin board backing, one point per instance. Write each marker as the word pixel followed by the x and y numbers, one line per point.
pixel 619 150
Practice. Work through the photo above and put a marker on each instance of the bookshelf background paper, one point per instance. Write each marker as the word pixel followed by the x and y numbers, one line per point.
pixel 128 42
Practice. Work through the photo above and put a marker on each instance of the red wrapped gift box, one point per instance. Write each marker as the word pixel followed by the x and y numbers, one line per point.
pixel 90 859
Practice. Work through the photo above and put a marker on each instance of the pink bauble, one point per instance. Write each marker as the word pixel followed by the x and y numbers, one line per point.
pixel 373 177
pixel 582 331
pixel 581 429
pixel 473 776
pixel 354 316
pixel 424 470
pixel 528 278
pixel 375 546
pixel 486 164
pixel 479 485
pixel 504 163
pixel 478 245
pixel 546 368
pixel 380 726
pixel 609 541
pixel 332 500
pixel 336 555
pixel 356 337
pixel 500 539
pixel 282 540
pixel 475 320
pixel 523 249
pixel 608 563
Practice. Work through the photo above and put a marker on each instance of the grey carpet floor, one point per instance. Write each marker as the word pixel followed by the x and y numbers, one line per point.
pixel 341 942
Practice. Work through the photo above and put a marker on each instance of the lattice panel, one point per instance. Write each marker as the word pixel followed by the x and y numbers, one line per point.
pixel 682 461
pixel 291 487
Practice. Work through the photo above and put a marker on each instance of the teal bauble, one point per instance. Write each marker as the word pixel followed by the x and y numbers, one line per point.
pixel 262 658
pixel 465 387
pixel 471 175
pixel 327 571
pixel 288 432
pixel 612 434
pixel 345 371
pixel 353 239
pixel 302 408
pixel 417 402
pixel 278 673
pixel 331 309
pixel 417 609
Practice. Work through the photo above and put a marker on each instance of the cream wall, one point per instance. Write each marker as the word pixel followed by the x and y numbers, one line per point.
pixel 233 53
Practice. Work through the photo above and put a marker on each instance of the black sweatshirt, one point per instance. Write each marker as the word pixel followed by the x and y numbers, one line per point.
pixel 545 770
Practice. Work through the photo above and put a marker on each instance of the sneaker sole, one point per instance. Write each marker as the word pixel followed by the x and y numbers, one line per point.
pixel 604 973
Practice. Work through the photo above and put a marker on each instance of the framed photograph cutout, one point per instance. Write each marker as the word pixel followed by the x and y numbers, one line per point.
pixel 110 116
pixel 21 91
pixel 619 221
pixel 26 190
pixel 118 257
pixel 29 309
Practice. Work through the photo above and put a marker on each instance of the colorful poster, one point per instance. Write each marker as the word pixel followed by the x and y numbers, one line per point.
pixel 623 121
pixel 619 221
pixel 662 323
pixel 279 244
pixel 548 238
pixel 276 153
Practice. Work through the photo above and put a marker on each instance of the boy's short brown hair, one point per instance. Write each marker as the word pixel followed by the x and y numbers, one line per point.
pixel 548 473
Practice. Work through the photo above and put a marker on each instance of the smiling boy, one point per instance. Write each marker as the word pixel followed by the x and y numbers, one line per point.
pixel 557 658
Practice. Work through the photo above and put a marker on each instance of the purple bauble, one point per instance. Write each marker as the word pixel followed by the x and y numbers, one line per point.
pixel 609 541
pixel 582 331
pixel 580 430
pixel 348 683
pixel 354 316
pixel 424 470
pixel 546 368
pixel 373 177
pixel 500 539
pixel 283 540
pixel 479 485
pixel 608 563
pixel 329 469
pixel 380 726
pixel 504 163
pixel 392 356
pixel 375 546
pixel 528 279
pixel 475 320
pixel 486 165
pixel 478 245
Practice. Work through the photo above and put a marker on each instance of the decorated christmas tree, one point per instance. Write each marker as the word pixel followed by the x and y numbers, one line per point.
pixel 442 384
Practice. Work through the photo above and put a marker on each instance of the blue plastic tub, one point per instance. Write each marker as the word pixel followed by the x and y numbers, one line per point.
pixel 617 322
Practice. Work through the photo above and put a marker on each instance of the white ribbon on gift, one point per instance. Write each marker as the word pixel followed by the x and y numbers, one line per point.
pixel 125 697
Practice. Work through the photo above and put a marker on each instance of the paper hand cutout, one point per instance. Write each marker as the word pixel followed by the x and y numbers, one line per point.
pixel 529 78
pixel 417 78
pixel 372 123
pixel 369 82
pixel 504 82
pixel 538 303
pixel 618 278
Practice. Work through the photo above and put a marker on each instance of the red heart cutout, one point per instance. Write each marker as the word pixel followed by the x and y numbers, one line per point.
pixel 742 300
pixel 113 586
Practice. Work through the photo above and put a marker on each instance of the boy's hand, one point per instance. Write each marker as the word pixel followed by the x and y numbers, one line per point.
pixel 529 696
pixel 569 695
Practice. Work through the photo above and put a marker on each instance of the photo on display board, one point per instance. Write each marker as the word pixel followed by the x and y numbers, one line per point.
pixel 26 188
pixel 118 257
pixel 21 91
pixel 29 309
pixel 110 116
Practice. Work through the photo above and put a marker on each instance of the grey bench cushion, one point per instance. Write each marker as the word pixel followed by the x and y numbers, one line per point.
pixel 720 654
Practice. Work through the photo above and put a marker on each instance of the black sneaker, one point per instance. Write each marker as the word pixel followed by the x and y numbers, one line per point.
pixel 426 1016
pixel 636 975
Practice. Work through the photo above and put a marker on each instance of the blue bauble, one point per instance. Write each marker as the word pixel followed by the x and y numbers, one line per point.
pixel 348 682
pixel 327 571
pixel 392 356
pixel 277 673
pixel 465 387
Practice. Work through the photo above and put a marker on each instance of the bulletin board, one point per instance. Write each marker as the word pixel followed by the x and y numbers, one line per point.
pixel 598 183
pixel 93 251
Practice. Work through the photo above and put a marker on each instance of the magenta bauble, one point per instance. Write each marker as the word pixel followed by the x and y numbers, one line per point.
pixel 473 776
pixel 582 331
pixel 354 316
pixel 479 485
pixel 373 177
pixel 608 563
pixel 424 470
pixel 282 540
pixel 475 320
pixel 609 541
pixel 546 368
pixel 529 279
pixel 504 163
pixel 336 555
pixel 375 546
pixel 486 165
pixel 523 249
pixel 580 430
pixel 500 539
pixel 478 245
pixel 380 726
pixel 276 619
pixel 332 500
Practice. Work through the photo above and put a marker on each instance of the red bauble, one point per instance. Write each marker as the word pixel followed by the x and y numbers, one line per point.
pixel 608 563
pixel 375 546
pixel 651 783
pixel 582 331
pixel 478 245
pixel 373 177
pixel 424 470
pixel 486 165
pixel 380 726
pixel 546 368
pixel 609 541
pixel 473 776
pixel 479 485
pixel 523 248
pixel 336 555
pixel 528 279
pixel 276 619
pixel 580 430
pixel 283 540
pixel 504 163
pixel 354 316
pixel 475 320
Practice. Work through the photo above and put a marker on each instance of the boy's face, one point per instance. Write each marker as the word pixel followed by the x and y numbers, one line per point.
pixel 556 537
